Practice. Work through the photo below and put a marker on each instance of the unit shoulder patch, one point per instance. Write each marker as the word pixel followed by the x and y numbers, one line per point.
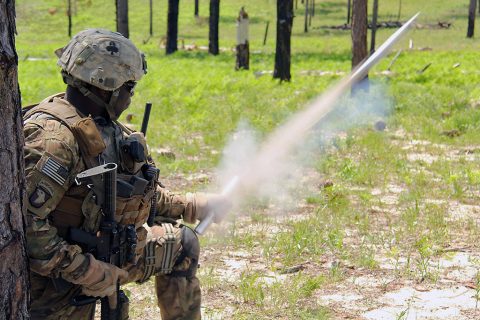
pixel 39 197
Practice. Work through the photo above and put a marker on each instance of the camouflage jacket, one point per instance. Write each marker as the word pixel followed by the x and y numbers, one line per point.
pixel 53 158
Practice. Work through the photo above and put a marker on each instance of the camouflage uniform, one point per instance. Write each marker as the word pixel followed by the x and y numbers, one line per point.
pixel 60 143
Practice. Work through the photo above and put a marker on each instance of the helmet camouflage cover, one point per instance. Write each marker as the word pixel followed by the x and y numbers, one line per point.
pixel 102 58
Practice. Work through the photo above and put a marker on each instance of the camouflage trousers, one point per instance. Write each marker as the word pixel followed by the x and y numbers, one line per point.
pixel 178 297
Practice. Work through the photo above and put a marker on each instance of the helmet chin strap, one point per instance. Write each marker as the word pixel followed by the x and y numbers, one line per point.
pixel 80 85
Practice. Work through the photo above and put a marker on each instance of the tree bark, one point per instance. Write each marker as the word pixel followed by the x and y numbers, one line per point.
pixel 122 17
pixel 172 26
pixel 284 33
pixel 359 31
pixel 14 277
pixel 374 26
pixel 471 18
pixel 196 8
pixel 213 30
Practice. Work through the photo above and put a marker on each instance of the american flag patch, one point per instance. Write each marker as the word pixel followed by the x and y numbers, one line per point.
pixel 55 170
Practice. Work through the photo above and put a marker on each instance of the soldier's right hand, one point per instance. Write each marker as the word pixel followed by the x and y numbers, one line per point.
pixel 100 279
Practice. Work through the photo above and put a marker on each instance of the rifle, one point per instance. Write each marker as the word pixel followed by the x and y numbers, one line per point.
pixel 114 243
pixel 150 172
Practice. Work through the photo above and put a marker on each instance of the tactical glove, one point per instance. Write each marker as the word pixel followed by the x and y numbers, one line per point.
pixel 100 279
pixel 206 203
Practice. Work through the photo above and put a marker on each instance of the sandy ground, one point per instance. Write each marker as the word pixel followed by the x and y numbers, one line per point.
pixel 381 293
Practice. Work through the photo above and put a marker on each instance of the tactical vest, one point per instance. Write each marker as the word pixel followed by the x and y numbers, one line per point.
pixel 137 175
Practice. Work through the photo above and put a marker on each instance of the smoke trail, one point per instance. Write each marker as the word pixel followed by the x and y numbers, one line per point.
pixel 272 160
pixel 278 178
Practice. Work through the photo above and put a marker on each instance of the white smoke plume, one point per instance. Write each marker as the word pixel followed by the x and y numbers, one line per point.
pixel 278 175
pixel 266 169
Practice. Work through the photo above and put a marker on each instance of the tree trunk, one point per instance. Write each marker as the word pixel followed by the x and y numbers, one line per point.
pixel 243 50
pixel 266 33
pixel 14 277
pixel 312 9
pixel 305 29
pixel 172 26
pixel 374 26
pixel 196 8
pixel 471 18
pixel 122 17
pixel 151 18
pixel 399 10
pixel 284 33
pixel 69 14
pixel 349 10
pixel 359 31
pixel 213 31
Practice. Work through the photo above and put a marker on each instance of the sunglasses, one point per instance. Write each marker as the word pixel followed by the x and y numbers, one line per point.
pixel 130 86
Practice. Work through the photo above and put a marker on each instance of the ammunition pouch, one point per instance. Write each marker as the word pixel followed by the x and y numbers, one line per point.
pixel 88 138
pixel 133 152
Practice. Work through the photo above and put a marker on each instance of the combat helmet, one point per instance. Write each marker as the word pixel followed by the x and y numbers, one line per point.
pixel 103 59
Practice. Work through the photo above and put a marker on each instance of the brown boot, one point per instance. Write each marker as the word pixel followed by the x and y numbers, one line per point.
pixel 179 298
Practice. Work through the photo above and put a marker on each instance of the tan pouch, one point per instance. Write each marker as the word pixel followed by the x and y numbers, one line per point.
pixel 89 139
pixel 68 213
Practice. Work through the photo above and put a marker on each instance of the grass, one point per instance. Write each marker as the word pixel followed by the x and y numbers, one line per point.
pixel 391 191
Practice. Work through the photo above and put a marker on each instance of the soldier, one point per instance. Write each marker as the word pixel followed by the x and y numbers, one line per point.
pixel 70 132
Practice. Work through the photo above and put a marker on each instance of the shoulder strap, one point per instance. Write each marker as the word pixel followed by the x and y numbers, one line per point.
pixel 71 118
pixel 63 111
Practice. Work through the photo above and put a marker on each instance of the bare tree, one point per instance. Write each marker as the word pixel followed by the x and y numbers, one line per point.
pixel 284 34
pixel 374 25
pixel 14 283
pixel 471 18
pixel 243 47
pixel 213 47
pixel 359 31
pixel 349 10
pixel 69 15
pixel 122 17
pixel 399 9
pixel 305 29
pixel 172 26
pixel 151 17
pixel 311 12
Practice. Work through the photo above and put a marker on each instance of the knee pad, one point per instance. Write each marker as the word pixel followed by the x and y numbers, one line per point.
pixel 187 262
pixel 162 250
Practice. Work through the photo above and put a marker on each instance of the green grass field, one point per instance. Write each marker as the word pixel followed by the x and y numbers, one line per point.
pixel 428 154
